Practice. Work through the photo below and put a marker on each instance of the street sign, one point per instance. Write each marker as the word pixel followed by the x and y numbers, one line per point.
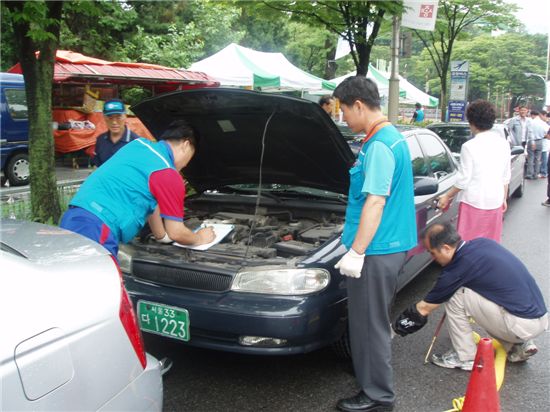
pixel 456 110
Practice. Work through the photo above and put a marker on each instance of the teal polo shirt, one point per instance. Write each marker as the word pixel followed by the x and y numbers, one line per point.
pixel 383 167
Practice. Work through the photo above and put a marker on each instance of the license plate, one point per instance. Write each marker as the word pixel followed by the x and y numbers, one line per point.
pixel 163 320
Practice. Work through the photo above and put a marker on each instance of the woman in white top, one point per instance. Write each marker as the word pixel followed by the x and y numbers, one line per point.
pixel 483 177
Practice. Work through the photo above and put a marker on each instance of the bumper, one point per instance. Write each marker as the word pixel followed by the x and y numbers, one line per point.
pixel 144 393
pixel 217 320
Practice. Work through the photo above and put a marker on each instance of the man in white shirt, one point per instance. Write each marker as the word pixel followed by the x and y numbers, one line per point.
pixel 534 146
pixel 520 126
pixel 545 147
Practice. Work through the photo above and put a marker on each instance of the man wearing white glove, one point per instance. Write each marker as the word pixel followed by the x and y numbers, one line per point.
pixel 380 227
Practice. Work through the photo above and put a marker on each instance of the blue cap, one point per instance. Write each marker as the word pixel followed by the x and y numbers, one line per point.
pixel 114 106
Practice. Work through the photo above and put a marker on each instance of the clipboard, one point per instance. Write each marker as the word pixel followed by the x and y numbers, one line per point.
pixel 221 230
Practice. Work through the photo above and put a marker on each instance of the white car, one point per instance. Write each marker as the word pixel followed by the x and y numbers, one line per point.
pixel 69 339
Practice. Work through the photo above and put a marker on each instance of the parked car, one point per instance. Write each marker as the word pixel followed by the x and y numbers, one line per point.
pixel 454 134
pixel 14 130
pixel 276 168
pixel 70 340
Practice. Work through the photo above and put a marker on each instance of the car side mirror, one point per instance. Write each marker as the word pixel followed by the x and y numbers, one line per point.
pixel 425 186
pixel 517 150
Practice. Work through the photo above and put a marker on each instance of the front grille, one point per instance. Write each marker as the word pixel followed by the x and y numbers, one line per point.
pixel 181 277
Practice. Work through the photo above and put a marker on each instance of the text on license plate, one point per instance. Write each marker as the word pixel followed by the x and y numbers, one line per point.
pixel 163 320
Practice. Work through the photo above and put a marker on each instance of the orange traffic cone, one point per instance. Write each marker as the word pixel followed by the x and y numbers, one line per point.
pixel 481 393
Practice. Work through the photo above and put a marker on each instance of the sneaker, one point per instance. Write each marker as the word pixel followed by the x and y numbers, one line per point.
pixel 520 352
pixel 546 203
pixel 451 360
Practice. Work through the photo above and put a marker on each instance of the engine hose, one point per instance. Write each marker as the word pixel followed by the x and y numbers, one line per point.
pixel 500 366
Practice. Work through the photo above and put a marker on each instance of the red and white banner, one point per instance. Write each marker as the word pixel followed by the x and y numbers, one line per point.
pixel 419 14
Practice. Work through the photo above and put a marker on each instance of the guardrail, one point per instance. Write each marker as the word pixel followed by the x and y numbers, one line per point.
pixel 15 201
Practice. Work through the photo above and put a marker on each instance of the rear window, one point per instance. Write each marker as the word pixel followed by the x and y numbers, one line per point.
pixel 453 137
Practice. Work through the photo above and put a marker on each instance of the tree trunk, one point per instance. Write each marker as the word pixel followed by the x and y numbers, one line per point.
pixel 38 74
pixel 443 98
pixel 331 66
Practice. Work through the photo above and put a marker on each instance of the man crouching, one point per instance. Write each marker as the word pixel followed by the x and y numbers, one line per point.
pixel 484 281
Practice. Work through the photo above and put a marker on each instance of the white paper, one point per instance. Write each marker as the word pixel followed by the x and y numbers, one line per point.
pixel 221 230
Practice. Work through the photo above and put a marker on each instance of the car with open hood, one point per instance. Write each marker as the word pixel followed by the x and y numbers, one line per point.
pixel 274 170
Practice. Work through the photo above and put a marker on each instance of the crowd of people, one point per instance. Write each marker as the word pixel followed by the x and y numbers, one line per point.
pixel 139 181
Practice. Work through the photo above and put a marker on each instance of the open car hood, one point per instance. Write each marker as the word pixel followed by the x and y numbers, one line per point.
pixel 302 145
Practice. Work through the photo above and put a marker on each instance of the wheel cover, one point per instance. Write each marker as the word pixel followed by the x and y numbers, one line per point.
pixel 21 169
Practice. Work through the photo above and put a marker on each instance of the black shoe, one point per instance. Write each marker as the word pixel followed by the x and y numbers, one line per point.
pixel 360 403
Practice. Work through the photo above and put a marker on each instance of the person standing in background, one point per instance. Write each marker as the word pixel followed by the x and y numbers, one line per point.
pixel 327 103
pixel 418 115
pixel 545 147
pixel 534 145
pixel 117 135
pixel 520 126
pixel 483 177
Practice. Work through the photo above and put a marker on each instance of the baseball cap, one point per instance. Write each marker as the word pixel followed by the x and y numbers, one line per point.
pixel 114 106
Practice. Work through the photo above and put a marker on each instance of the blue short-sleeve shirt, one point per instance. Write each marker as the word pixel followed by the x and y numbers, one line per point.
pixel 383 168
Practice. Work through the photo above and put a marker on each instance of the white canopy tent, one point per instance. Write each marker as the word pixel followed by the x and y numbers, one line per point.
pixel 408 93
pixel 238 66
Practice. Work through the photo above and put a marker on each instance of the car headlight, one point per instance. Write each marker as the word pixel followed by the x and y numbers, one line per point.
pixel 124 260
pixel 281 281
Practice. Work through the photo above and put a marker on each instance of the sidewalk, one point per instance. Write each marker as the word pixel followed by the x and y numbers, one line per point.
pixel 66 176
pixel 64 173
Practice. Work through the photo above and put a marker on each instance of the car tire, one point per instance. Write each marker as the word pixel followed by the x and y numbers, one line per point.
pixel 519 191
pixel 342 347
pixel 17 170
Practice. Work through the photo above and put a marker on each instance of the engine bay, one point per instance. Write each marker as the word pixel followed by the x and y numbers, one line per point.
pixel 264 233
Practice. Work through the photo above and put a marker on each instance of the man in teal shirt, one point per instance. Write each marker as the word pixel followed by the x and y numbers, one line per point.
pixel 380 228
pixel 418 115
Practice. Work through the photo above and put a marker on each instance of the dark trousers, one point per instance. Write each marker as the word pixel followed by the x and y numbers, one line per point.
pixel 369 303
pixel 548 182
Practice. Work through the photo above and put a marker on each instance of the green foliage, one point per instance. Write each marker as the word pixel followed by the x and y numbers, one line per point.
pixel 307 47
pixel 97 28
pixel 347 18
pixel 177 48
pixel 134 95
pixel 499 63
pixel 454 17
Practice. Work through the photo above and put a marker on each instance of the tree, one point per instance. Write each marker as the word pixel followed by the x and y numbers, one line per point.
pixel 358 22
pixel 453 18
pixel 36 26
pixel 498 64
pixel 310 48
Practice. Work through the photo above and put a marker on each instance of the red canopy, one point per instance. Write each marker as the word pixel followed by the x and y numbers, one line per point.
pixel 75 67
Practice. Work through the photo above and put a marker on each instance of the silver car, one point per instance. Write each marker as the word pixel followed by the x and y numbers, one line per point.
pixel 69 338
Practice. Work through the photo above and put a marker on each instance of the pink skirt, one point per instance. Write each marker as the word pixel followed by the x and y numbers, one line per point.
pixel 474 222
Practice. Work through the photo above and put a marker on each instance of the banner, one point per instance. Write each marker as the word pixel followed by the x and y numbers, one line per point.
pixel 419 14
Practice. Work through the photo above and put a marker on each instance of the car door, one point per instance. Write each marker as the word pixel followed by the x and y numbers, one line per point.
pixel 430 158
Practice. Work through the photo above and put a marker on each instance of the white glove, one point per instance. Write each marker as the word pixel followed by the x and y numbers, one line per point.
pixel 351 264
pixel 166 239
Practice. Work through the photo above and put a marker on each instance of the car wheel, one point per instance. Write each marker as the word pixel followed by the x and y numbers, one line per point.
pixel 519 191
pixel 17 170
pixel 342 347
